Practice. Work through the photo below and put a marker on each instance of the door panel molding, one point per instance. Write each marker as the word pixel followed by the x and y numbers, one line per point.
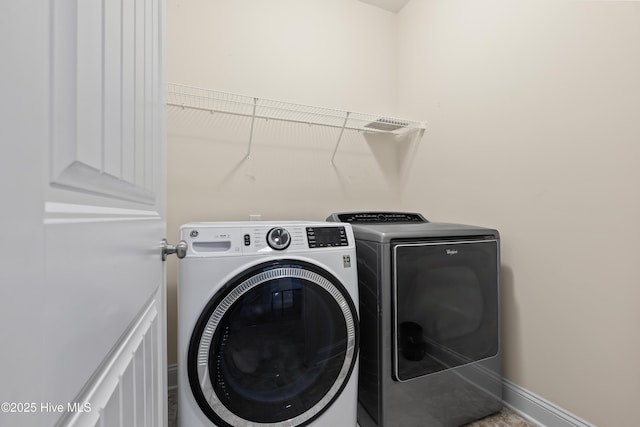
pixel 65 213
pixel 104 100
pixel 79 176
pixel 127 390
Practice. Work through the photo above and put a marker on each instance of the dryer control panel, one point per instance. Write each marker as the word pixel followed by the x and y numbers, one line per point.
pixel 378 217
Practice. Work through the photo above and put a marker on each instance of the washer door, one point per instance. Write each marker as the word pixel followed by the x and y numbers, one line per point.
pixel 276 346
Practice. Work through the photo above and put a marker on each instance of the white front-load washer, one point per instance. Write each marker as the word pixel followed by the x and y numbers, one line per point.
pixel 267 325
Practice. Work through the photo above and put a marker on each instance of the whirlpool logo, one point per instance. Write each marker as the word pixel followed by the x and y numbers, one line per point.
pixel 451 252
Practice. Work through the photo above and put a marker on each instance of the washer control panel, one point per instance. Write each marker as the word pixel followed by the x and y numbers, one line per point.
pixel 327 237
pixel 228 239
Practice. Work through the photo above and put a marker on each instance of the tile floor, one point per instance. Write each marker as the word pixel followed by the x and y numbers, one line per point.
pixel 506 418
pixel 173 407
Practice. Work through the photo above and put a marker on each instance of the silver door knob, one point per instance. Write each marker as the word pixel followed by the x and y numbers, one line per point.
pixel 180 249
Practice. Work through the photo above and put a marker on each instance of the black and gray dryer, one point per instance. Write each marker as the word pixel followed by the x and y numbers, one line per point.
pixel 429 312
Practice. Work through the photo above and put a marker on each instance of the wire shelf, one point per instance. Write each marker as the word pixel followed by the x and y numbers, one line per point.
pixel 260 108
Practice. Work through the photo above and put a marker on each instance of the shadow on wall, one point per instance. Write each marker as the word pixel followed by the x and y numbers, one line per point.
pixel 218 154
pixel 510 340
pixel 394 154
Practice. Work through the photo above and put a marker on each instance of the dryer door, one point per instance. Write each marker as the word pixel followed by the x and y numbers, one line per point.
pixel 276 346
pixel 446 305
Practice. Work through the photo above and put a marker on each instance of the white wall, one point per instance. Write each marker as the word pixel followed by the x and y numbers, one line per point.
pixel 331 53
pixel 534 111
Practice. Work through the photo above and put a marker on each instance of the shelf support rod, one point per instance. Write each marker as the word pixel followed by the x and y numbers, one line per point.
pixel 344 125
pixel 253 119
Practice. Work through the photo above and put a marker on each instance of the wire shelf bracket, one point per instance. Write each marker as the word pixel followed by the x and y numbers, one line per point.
pixel 253 120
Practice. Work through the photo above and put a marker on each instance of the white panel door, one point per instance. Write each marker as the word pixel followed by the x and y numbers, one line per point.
pixel 82 180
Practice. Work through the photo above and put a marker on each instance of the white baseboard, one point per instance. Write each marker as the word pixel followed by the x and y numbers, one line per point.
pixel 172 376
pixel 536 409
pixel 521 401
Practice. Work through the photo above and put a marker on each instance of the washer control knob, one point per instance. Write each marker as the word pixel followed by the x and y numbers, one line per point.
pixel 278 238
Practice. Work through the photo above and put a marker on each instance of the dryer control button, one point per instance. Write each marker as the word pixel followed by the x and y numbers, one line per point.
pixel 278 238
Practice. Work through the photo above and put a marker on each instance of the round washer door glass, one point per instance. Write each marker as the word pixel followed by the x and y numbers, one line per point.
pixel 276 346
